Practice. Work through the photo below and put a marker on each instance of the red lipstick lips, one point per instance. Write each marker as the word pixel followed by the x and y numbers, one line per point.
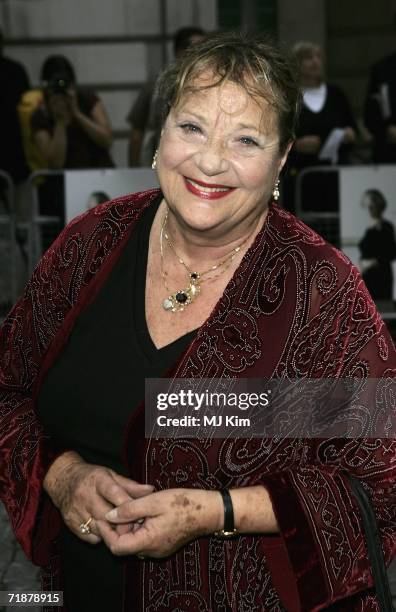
pixel 209 191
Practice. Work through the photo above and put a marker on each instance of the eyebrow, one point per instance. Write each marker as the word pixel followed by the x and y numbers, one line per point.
pixel 193 113
pixel 247 126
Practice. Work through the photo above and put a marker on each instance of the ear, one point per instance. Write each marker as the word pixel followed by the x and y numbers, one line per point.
pixel 283 159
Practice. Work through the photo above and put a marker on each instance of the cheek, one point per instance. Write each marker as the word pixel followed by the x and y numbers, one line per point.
pixel 170 165
pixel 172 152
pixel 259 176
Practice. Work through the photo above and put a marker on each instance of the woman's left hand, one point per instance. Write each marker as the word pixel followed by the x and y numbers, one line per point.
pixel 172 518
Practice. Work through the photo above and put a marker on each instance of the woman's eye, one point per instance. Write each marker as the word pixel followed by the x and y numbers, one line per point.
pixel 246 140
pixel 190 128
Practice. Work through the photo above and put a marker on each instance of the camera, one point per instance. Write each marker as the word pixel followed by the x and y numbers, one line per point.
pixel 59 84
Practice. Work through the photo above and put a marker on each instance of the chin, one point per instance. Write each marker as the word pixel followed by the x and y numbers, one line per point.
pixel 197 212
pixel 202 222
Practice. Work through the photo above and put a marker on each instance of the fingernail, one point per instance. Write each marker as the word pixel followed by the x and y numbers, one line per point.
pixel 112 514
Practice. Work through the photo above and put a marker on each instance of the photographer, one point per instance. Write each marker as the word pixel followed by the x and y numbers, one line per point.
pixel 71 129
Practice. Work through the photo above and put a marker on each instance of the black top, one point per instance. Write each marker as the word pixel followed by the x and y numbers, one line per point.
pixel 378 116
pixel 379 243
pixel 336 113
pixel 89 393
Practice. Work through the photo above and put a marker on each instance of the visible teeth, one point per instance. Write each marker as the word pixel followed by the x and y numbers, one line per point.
pixel 208 189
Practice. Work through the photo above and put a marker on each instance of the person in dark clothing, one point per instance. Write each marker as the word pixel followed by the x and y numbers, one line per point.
pixel 71 130
pixel 325 108
pixel 14 82
pixel 325 132
pixel 377 248
pixel 380 109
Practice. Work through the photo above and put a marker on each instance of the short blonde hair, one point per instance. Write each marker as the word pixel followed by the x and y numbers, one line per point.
pixel 304 49
pixel 255 63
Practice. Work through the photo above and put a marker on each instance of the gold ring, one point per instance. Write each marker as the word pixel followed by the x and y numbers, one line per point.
pixel 84 527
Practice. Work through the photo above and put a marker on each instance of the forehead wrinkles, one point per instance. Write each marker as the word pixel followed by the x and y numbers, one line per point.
pixel 229 101
pixel 233 100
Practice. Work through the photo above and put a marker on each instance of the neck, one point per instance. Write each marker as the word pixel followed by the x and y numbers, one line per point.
pixel 310 83
pixel 201 249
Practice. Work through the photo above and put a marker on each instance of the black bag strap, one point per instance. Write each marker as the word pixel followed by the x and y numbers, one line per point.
pixel 374 547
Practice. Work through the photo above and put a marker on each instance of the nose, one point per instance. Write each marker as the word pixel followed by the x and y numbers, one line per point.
pixel 211 159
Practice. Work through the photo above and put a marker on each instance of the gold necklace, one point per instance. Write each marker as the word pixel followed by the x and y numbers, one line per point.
pixel 177 301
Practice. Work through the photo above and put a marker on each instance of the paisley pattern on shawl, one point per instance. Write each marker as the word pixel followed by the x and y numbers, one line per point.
pixel 295 306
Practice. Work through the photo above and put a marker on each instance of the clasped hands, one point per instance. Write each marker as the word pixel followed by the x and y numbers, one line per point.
pixel 159 523
pixel 130 518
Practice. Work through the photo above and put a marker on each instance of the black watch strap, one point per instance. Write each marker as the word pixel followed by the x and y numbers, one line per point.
pixel 228 530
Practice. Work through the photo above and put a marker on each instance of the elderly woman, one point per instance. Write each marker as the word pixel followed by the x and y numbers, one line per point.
pixel 206 277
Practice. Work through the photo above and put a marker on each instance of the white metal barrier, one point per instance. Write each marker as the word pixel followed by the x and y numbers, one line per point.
pixel 43 227
pixel 58 196
pixel 325 221
pixel 301 209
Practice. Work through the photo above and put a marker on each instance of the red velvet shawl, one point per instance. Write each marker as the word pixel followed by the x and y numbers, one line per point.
pixel 294 307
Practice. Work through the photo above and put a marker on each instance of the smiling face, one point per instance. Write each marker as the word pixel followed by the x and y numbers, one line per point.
pixel 219 159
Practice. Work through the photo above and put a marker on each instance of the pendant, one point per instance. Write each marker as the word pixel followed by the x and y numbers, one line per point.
pixel 176 302
pixel 167 304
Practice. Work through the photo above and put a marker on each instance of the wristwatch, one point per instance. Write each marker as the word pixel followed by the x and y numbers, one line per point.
pixel 228 530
